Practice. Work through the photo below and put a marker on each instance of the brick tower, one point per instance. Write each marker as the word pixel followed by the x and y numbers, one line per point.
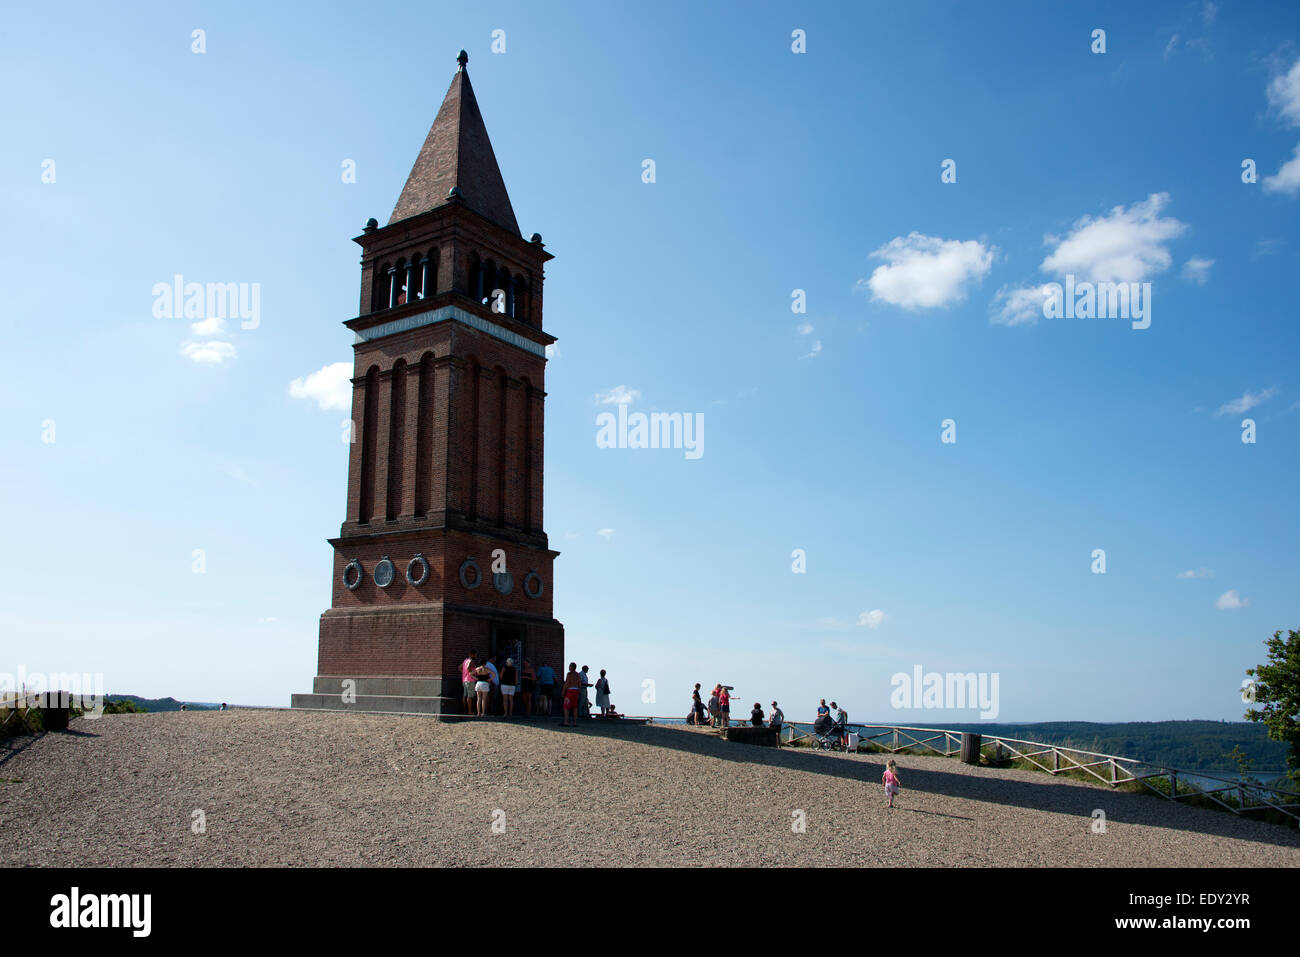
pixel 445 470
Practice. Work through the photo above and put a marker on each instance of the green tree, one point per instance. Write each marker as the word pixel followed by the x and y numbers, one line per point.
pixel 1277 688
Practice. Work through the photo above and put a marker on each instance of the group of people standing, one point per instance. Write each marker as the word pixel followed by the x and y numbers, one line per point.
pixel 717 714
pixel 490 689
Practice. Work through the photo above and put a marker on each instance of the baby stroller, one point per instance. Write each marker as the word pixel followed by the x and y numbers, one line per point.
pixel 828 735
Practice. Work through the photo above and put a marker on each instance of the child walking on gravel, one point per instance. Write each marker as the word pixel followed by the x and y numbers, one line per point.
pixel 891 780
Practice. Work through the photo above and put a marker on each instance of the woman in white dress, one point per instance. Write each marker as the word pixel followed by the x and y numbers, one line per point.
pixel 602 693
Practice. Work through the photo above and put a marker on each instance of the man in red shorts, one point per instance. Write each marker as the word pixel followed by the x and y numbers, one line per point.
pixel 572 689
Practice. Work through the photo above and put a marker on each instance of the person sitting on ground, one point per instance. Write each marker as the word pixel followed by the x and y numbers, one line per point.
pixel 756 716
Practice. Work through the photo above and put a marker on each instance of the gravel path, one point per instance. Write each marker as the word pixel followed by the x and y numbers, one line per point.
pixel 283 788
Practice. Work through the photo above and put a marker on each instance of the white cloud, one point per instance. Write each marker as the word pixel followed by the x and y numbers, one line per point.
pixel 213 326
pixel 330 387
pixel 1197 270
pixel 872 619
pixel 1169 47
pixel 924 272
pixel 1287 178
pixel 1284 94
pixel 1126 246
pixel 1230 599
pixel 1197 573
pixel 211 353
pixel 804 328
pixel 814 352
pixel 606 533
pixel 619 395
pixel 1017 305
pixel 1247 401
pixel 552 351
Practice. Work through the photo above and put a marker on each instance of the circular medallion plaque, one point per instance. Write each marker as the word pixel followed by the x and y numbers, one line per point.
pixel 424 570
pixel 533 586
pixel 470 576
pixel 353 575
pixel 383 573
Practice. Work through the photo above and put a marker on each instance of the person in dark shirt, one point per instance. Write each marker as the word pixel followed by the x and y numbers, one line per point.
pixel 509 681
pixel 756 716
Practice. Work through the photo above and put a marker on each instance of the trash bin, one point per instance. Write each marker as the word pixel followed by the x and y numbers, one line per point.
pixel 970 748
pixel 54 707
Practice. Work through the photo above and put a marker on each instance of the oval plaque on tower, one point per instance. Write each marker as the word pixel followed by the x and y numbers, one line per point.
pixel 384 573
pixel 533 586
pixel 353 575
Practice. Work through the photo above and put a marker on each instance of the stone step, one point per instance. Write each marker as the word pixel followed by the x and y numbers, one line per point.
pixel 401 686
pixel 392 704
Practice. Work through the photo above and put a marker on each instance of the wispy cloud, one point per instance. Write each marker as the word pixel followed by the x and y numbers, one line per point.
pixel 1197 270
pixel 212 326
pixel 1197 573
pixel 1018 305
pixel 212 353
pixel 606 533
pixel 619 395
pixel 1230 600
pixel 873 618
pixel 1247 401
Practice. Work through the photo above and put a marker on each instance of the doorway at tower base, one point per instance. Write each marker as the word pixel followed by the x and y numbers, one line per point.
pixel 408 661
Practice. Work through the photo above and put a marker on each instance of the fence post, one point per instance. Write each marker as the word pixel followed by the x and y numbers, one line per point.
pixel 1114 771
pixel 1056 760
pixel 1173 785
pixel 895 740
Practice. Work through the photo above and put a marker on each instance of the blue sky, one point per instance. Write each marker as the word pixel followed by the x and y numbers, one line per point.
pixel 774 171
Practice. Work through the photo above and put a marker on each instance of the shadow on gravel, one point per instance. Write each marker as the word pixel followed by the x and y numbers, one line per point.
pixel 1059 795
pixel 17 745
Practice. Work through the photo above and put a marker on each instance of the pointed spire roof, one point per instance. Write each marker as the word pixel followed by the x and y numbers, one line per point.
pixel 457 154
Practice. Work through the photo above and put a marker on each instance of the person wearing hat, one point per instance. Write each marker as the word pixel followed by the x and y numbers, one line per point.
pixel 775 719
pixel 509 680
